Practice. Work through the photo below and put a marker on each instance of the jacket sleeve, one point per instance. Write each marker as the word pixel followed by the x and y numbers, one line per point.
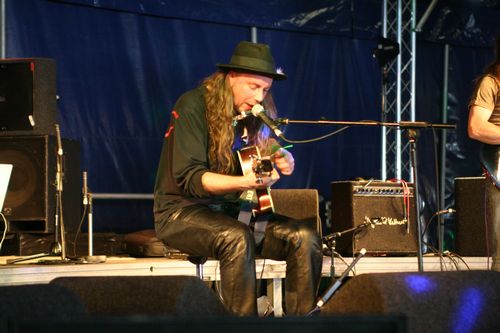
pixel 190 145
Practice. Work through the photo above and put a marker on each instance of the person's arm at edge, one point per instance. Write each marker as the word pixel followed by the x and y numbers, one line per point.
pixel 479 128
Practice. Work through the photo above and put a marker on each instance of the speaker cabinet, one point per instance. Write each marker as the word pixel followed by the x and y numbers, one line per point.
pixel 211 324
pixel 144 295
pixel 26 244
pixel 466 301
pixel 393 223
pixel 30 203
pixel 471 236
pixel 27 96
pixel 24 302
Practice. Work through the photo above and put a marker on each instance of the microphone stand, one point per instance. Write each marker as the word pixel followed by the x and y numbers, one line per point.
pixel 59 192
pixel 55 247
pixel 412 127
pixel 88 207
pixel 331 242
pixel 59 218
pixel 412 137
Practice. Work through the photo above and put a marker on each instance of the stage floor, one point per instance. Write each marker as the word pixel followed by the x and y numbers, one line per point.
pixel 32 272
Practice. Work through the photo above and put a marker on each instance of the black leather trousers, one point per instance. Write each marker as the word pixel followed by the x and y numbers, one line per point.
pixel 198 230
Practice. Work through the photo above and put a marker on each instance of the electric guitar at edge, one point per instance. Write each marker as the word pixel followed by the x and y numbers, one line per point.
pixel 490 160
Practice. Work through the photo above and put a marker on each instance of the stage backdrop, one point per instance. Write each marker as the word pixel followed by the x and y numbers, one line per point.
pixel 121 65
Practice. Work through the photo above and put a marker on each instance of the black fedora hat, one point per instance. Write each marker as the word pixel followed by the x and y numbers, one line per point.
pixel 253 58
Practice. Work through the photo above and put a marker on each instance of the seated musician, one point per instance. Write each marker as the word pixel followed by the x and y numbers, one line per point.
pixel 201 191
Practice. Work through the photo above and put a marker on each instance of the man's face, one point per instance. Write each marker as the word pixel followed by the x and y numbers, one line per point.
pixel 248 89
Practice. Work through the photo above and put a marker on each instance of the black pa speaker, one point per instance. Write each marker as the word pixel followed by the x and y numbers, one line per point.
pixel 466 301
pixel 25 302
pixel 470 223
pixel 144 295
pixel 31 197
pixel 27 96
pixel 381 204
pixel 203 324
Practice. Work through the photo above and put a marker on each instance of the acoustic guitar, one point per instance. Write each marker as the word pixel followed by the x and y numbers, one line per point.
pixel 251 161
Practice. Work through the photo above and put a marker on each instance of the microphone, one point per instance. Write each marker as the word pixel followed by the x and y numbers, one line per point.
pixel 59 172
pixel 258 111
pixel 85 191
pixel 59 144
pixel 445 211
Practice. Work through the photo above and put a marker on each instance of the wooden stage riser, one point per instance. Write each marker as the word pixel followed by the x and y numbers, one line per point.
pixel 267 269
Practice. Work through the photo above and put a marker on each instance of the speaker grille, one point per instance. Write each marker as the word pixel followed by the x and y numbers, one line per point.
pixel 471 236
pixel 27 188
pixel 382 204
pixel 433 301
pixel 30 201
pixel 144 295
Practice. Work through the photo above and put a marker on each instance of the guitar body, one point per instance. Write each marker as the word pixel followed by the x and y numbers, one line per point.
pixel 490 160
pixel 251 161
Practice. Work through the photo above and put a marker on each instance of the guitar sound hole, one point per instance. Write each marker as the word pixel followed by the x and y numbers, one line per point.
pixel 264 166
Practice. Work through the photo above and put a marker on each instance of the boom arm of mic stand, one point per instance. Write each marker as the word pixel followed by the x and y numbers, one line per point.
pixel 401 125
pixel 334 235
pixel 331 241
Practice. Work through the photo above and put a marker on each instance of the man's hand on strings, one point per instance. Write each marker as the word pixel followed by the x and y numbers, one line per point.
pixel 284 161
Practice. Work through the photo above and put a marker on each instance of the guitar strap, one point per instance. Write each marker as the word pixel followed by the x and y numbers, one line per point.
pixel 249 198
pixel 259 228
pixel 248 201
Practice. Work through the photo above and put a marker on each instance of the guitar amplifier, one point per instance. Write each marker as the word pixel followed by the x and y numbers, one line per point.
pixel 375 215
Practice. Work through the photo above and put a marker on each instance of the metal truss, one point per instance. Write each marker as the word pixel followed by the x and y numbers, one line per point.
pixel 398 93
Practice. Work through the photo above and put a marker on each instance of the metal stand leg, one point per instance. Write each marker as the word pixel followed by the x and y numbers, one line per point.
pixel 87 202
pixel 198 261
pixel 412 135
pixel 274 291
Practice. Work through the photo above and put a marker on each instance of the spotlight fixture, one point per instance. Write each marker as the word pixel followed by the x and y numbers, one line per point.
pixel 385 51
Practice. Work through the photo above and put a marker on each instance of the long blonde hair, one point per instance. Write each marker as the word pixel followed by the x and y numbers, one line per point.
pixel 220 113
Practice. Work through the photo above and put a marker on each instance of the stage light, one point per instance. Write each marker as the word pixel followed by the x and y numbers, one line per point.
pixel 385 51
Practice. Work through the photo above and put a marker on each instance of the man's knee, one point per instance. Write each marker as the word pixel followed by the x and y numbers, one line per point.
pixel 236 240
pixel 309 237
pixel 299 235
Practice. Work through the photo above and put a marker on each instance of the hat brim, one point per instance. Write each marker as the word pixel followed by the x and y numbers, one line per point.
pixel 238 68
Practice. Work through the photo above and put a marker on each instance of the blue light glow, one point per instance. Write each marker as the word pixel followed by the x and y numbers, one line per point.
pixel 470 306
pixel 419 284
